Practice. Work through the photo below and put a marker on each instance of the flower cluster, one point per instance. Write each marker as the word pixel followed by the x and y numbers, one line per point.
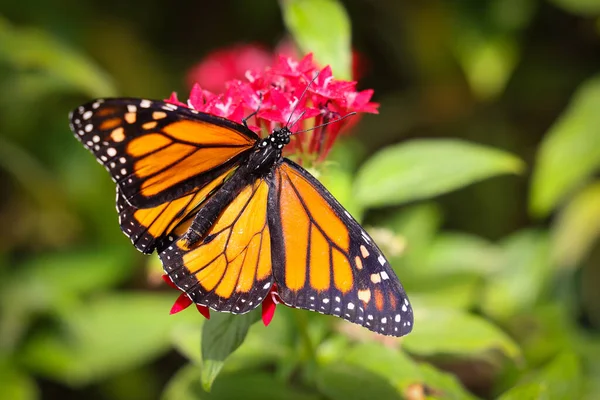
pixel 295 94
pixel 292 93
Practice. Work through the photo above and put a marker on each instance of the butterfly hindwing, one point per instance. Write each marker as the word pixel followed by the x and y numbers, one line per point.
pixel 157 151
pixel 230 268
pixel 148 227
pixel 324 261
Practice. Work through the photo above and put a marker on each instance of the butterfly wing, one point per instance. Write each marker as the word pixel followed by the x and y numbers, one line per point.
pixel 147 228
pixel 230 268
pixel 156 151
pixel 324 261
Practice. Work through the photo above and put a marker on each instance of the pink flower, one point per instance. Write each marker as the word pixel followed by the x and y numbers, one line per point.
pixel 292 93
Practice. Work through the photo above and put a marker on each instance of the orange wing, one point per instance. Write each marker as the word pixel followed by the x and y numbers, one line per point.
pixel 156 151
pixel 149 228
pixel 230 268
pixel 324 261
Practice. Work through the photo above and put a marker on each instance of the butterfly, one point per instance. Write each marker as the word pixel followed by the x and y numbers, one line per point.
pixel 230 217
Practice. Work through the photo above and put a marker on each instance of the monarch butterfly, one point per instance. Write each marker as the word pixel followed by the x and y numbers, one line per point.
pixel 230 217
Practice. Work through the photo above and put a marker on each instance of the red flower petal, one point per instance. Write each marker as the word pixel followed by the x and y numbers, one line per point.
pixel 182 302
pixel 268 310
pixel 173 100
pixel 205 311
pixel 269 304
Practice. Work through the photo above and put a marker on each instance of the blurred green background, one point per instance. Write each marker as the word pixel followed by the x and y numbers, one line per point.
pixel 479 178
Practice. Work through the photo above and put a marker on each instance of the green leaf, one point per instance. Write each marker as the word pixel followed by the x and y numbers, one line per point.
pixel 58 280
pixel 561 378
pixel 463 335
pixel 15 385
pixel 577 227
pixel 397 367
pixel 426 168
pixel 522 276
pixel 254 386
pixel 454 252
pixel 581 7
pixel 321 27
pixel 570 151
pixel 532 391
pixel 221 336
pixel 445 385
pixel 266 345
pixel 457 291
pixel 402 372
pixel 103 338
pixel 30 49
pixel 488 60
pixel 340 381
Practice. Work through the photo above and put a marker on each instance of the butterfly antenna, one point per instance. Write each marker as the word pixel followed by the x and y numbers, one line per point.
pixel 327 123
pixel 301 96
pixel 298 119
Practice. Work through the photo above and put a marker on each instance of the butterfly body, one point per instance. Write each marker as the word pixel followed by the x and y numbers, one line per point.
pixel 266 153
pixel 231 219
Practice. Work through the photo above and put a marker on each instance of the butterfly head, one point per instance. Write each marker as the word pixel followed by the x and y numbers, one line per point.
pixel 278 139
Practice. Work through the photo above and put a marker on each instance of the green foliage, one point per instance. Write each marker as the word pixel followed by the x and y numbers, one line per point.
pixel 321 27
pixel 425 168
pixel 465 335
pixel 43 60
pixel 221 336
pixel 570 152
pixel 577 227
pixel 84 348
pixel 503 282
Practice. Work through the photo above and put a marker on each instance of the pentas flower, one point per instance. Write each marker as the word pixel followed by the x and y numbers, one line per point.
pixel 292 93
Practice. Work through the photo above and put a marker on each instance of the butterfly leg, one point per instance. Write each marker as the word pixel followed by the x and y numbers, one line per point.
pixel 245 120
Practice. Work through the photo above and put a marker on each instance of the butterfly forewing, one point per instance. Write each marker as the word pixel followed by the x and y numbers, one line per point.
pixel 156 151
pixel 324 261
